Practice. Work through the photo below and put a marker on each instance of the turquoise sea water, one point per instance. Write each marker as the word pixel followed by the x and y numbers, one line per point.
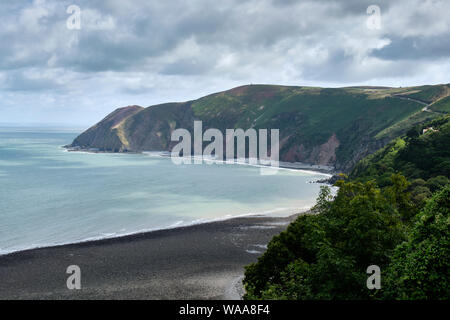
pixel 49 196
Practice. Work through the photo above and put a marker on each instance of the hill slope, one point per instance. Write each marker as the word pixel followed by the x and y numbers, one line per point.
pixel 422 156
pixel 327 126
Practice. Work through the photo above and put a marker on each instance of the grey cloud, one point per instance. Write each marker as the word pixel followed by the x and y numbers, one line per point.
pixel 187 67
pixel 167 50
pixel 413 48
pixel 149 30
pixel 343 68
pixel 17 81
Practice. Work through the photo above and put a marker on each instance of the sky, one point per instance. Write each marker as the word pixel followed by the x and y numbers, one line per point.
pixel 67 65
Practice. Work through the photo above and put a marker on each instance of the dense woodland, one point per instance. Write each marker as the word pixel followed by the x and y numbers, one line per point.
pixel 391 211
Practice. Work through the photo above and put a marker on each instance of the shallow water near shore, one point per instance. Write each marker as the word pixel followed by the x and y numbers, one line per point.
pixel 50 196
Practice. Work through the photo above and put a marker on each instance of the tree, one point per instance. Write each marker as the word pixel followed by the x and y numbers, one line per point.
pixel 437 183
pixel 420 267
pixel 414 132
pixel 325 256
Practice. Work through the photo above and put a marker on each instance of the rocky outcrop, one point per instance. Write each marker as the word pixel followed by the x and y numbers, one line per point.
pixel 324 154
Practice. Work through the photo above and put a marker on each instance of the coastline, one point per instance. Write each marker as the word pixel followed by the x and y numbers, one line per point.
pixel 295 166
pixel 200 261
pixel 267 214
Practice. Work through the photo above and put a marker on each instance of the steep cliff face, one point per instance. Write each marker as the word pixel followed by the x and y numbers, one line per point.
pixel 324 154
pixel 333 127
pixel 151 129
pixel 108 134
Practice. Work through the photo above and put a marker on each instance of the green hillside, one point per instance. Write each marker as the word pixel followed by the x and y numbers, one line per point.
pixel 429 93
pixel 327 126
pixel 442 105
pixel 423 153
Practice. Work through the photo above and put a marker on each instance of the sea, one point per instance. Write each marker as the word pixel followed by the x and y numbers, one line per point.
pixel 49 196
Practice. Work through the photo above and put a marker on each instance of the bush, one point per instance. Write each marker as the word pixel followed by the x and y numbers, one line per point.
pixel 437 183
pixel 420 267
pixel 325 256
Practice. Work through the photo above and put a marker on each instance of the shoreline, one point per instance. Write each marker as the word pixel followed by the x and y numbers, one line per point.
pixel 201 261
pixel 295 166
pixel 171 227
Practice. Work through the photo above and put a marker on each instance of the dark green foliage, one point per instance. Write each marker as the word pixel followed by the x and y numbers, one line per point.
pixel 420 266
pixel 380 165
pixel 325 256
pixel 414 132
pixel 420 194
pixel 437 183
pixel 299 240
pixel 428 155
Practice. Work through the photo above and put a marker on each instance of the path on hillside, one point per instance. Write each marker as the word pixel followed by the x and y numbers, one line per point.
pixel 426 104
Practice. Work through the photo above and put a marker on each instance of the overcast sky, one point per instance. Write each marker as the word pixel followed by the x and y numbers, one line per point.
pixel 152 51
